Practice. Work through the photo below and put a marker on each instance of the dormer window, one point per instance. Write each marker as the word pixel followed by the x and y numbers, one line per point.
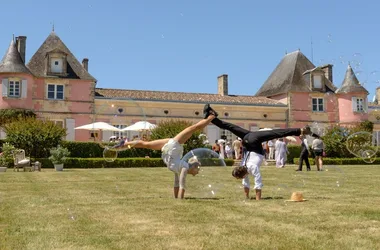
pixel 317 81
pixel 57 64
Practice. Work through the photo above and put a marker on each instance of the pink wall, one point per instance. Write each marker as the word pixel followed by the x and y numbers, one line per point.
pixel 300 107
pixel 82 135
pixel 24 103
pixel 77 96
pixel 346 114
pixel 80 90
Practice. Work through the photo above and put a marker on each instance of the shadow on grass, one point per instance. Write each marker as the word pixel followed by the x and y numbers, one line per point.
pixel 271 198
pixel 321 198
pixel 198 198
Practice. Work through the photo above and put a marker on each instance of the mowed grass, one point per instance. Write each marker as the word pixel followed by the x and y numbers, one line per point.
pixel 134 209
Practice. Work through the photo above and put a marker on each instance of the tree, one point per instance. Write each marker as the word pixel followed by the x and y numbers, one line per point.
pixel 335 139
pixel 35 136
pixel 335 142
pixel 363 126
pixel 9 115
pixel 170 128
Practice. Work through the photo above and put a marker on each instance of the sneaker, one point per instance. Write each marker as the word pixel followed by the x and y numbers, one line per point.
pixel 306 130
pixel 207 110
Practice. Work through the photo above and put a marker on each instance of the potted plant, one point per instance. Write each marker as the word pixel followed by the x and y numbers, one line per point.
pixel 58 157
pixel 6 156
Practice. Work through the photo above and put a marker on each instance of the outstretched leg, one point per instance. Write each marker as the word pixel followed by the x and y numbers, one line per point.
pixel 236 130
pixel 267 135
pixel 185 134
pixel 155 145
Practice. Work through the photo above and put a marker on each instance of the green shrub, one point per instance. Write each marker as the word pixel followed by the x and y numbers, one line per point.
pixel 10 115
pixel 94 150
pixel 35 136
pixel 335 139
pixel 341 161
pixel 118 163
pixel 6 158
pixel 294 152
pixel 59 155
pixel 83 149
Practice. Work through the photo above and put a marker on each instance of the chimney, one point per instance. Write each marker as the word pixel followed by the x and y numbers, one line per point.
pixel 223 85
pixel 85 63
pixel 328 71
pixel 377 95
pixel 21 46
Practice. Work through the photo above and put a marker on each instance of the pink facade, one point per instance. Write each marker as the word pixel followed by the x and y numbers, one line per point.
pixel 55 85
pixel 24 101
pixel 301 108
pixel 347 113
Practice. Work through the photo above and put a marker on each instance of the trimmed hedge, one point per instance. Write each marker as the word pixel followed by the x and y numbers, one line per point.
pixel 294 152
pixel 341 161
pixel 94 150
pixel 118 163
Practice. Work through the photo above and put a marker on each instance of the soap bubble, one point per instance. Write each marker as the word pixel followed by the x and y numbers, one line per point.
pixel 332 176
pixel 362 145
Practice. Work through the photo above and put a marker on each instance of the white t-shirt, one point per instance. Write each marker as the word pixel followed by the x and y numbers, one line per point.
pixel 171 155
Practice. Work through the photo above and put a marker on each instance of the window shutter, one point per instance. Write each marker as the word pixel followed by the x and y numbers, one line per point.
pixel 354 105
pixel 106 135
pixel 5 87
pixel 24 88
pixel 70 124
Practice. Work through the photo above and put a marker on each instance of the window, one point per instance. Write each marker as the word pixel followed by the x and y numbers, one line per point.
pixel 317 81
pixel 55 91
pixel 14 89
pixel 318 104
pixel 59 123
pixel 56 65
pixel 120 134
pixel 358 104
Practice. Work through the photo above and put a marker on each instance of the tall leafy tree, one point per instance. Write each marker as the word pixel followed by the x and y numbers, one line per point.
pixel 35 136
pixel 9 115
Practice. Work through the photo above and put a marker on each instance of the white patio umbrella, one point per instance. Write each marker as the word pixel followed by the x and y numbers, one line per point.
pixel 140 126
pixel 98 126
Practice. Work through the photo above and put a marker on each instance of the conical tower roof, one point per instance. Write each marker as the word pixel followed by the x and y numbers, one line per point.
pixel 12 61
pixel 350 83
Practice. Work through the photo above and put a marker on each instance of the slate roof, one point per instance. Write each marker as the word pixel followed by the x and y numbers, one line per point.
pixel 289 76
pixel 12 61
pixel 37 63
pixel 350 83
pixel 184 97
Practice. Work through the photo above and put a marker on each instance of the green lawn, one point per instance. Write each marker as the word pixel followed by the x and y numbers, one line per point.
pixel 134 209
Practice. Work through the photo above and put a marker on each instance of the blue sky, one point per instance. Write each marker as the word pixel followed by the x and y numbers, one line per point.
pixel 183 45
